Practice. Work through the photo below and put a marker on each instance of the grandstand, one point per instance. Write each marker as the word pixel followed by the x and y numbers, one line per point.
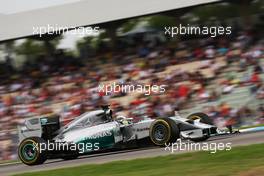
pixel 195 82
pixel 239 97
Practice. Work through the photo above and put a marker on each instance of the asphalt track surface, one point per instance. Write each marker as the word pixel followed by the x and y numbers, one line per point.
pixel 235 140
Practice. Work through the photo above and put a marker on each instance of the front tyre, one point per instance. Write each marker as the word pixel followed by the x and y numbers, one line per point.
pixel 164 131
pixel 203 119
pixel 202 116
pixel 29 151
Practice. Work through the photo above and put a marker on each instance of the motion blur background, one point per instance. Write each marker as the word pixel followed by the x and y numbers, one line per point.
pixel 222 76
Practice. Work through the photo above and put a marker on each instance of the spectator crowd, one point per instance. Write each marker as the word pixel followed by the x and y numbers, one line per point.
pixel 194 72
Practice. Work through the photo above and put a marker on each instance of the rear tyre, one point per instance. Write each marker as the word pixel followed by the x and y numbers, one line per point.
pixel 29 151
pixel 164 131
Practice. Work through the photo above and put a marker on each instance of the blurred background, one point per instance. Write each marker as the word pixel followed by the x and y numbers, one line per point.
pixel 221 76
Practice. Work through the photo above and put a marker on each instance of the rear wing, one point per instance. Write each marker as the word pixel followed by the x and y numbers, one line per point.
pixel 43 126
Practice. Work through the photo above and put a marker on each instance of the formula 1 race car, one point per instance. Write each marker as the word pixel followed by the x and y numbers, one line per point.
pixel 42 138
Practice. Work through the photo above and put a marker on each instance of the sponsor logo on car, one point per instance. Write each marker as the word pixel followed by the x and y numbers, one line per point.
pixel 100 135
pixel 142 129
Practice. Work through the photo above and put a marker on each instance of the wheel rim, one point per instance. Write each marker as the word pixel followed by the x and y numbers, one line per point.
pixel 160 132
pixel 29 152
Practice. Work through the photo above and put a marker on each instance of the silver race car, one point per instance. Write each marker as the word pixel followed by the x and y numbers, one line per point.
pixel 42 138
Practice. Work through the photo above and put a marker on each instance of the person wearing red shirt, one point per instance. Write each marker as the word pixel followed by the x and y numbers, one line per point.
pixel 255 78
pixel 183 91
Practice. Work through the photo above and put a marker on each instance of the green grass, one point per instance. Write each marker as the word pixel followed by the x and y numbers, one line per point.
pixel 223 163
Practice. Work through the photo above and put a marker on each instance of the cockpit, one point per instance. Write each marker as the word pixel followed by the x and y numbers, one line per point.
pixel 90 119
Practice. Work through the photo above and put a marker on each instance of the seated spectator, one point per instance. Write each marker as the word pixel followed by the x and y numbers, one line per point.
pixel 261 112
pixel 210 52
pixel 227 88
pixel 260 91
pixel 222 51
pixel 224 109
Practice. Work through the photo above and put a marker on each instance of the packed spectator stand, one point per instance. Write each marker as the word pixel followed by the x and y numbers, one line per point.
pixel 220 76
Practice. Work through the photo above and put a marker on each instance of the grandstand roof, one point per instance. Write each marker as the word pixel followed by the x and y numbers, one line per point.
pixel 19 23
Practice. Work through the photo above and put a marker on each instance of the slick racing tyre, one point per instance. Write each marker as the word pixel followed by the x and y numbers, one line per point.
pixel 164 131
pixel 29 151
pixel 202 116
pixel 203 119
